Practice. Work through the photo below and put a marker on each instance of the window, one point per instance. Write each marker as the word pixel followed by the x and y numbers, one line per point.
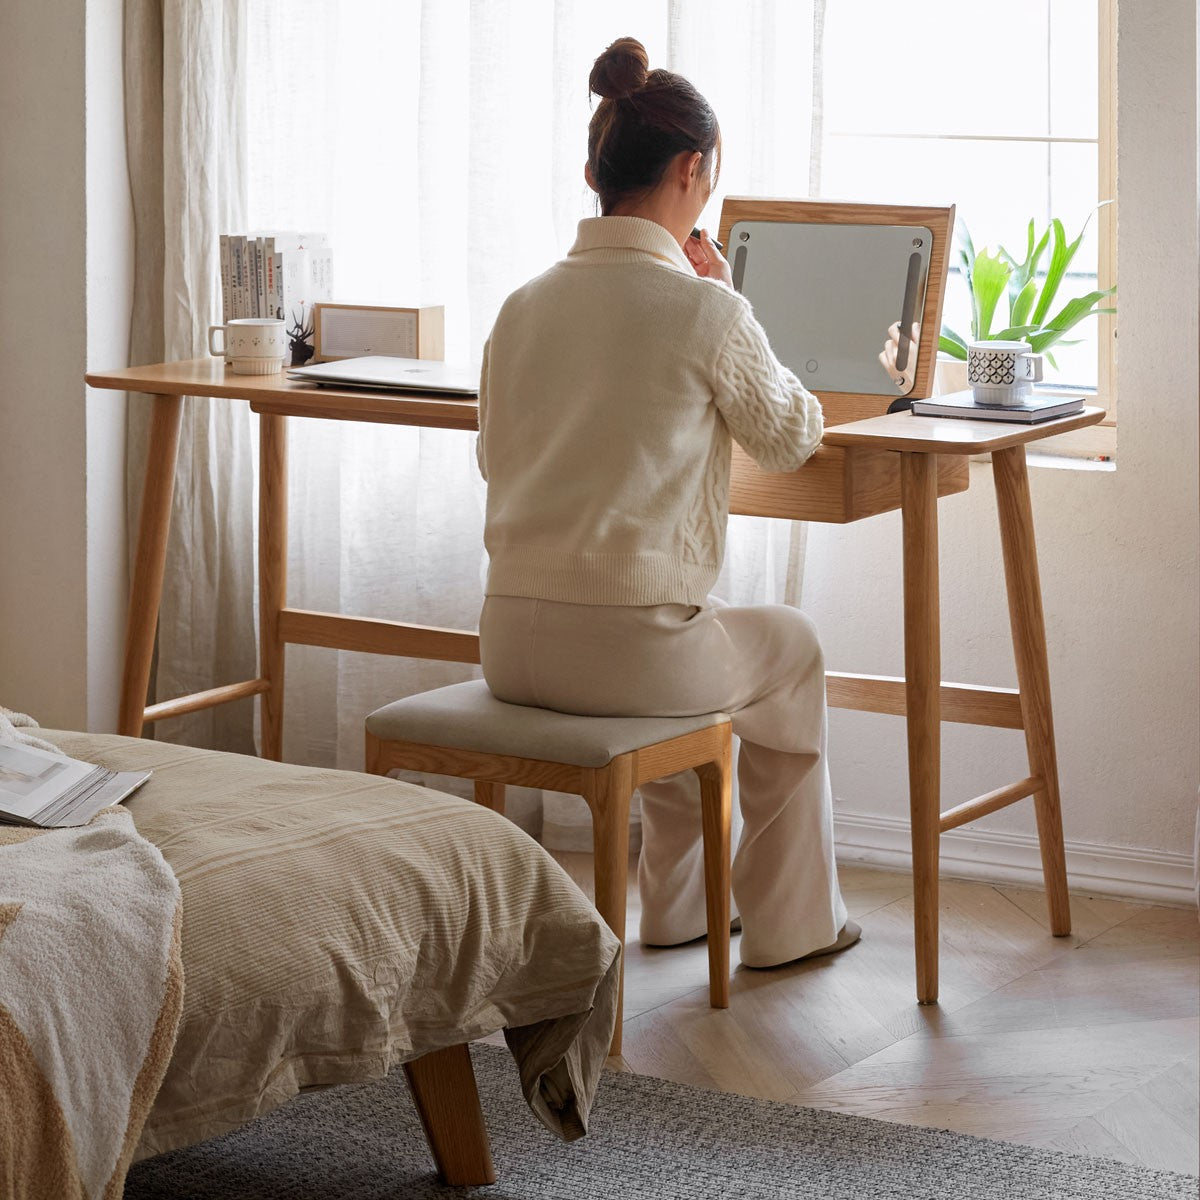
pixel 1000 116
pixel 441 144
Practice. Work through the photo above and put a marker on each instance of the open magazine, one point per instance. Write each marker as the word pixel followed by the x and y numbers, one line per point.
pixel 50 791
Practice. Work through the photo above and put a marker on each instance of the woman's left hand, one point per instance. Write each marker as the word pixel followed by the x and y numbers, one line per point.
pixel 707 261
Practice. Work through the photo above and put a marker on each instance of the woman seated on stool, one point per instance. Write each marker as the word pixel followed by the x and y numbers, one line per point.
pixel 611 387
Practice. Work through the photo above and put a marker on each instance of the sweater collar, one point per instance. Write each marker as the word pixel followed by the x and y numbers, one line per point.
pixel 631 234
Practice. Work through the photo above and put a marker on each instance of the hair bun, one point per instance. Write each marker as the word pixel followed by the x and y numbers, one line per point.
pixel 620 70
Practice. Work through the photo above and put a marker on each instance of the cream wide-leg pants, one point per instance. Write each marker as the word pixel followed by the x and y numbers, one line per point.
pixel 762 665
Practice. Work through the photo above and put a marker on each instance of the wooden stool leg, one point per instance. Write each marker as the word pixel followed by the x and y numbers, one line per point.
pixel 272 575
pixel 1033 673
pixel 716 803
pixel 145 593
pixel 923 671
pixel 490 795
pixel 608 793
pixel 443 1088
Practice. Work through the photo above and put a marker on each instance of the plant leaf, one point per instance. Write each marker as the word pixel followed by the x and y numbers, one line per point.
pixel 1060 260
pixel 988 282
pixel 1023 302
pixel 1014 333
pixel 1024 271
pixel 1068 317
pixel 966 252
pixel 962 235
pixel 950 343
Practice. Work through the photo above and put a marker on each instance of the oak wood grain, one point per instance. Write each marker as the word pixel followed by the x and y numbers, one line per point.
pixel 444 1092
pixel 272 577
pixel 922 669
pixel 210 698
pixel 145 593
pixel 1028 624
pixel 951 435
pixel 837 485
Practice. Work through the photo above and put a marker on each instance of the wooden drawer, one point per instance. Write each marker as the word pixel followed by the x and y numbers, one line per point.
pixel 838 484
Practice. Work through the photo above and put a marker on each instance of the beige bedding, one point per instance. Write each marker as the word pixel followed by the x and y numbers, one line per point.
pixel 337 924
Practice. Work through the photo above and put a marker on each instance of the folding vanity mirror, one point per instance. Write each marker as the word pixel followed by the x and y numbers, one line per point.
pixel 840 290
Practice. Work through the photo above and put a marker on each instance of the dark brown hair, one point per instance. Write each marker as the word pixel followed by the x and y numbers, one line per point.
pixel 644 119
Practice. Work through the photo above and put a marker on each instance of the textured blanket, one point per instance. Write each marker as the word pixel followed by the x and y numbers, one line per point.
pixel 91 989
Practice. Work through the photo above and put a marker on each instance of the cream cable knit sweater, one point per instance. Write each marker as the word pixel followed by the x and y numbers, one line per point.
pixel 610 388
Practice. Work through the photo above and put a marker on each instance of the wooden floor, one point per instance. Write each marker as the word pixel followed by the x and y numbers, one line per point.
pixel 1087 1043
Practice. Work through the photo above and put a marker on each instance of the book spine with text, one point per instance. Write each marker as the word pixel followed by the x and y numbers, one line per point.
pixel 237 248
pixel 260 278
pixel 225 276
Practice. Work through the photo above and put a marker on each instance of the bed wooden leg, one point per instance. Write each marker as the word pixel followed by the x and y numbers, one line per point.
pixel 443 1089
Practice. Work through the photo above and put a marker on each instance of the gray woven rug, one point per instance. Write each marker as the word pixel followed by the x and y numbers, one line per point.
pixel 650 1139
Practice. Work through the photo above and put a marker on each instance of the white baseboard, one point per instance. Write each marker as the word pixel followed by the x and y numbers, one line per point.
pixel 1013 858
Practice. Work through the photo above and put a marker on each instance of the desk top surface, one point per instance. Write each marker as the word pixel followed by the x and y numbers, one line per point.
pixel 276 394
pixel 285 397
pixel 950 435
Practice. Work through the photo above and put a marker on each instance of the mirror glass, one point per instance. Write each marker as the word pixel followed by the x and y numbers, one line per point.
pixel 841 304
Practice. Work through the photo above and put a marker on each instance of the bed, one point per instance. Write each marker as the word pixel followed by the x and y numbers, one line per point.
pixel 335 925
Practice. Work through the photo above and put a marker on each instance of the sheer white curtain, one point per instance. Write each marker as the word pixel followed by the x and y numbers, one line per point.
pixel 440 144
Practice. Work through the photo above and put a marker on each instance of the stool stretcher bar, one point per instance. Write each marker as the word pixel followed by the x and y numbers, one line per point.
pixel 990 802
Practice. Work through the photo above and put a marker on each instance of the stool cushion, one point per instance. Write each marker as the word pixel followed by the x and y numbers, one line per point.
pixel 466 716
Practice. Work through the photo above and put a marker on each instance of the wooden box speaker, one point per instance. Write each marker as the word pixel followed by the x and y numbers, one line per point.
pixel 355 330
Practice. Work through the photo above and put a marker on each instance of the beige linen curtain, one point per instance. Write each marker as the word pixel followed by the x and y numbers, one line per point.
pixel 440 145
pixel 185 131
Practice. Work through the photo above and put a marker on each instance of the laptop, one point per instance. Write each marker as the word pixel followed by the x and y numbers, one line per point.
pixel 391 374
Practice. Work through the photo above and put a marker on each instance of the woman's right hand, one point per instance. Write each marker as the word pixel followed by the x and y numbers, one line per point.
pixel 707 261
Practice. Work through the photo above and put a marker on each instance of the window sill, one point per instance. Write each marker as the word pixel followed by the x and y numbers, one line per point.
pixel 1095 445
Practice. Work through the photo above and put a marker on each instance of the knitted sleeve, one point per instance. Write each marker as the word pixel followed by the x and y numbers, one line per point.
pixel 770 413
pixel 483 381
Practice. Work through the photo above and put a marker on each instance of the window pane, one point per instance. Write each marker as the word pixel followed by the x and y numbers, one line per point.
pixel 941 66
pixel 1073 68
pixel 997 186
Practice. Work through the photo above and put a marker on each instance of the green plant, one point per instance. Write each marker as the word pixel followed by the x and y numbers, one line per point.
pixel 990 276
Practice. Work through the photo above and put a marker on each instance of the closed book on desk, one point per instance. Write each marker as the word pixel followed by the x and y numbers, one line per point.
pixel 1041 406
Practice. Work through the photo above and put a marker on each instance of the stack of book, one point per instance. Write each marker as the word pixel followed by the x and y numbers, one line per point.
pixel 1039 406
pixel 280 275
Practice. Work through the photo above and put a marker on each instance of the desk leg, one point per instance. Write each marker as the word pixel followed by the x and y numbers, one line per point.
pixel 272 575
pixel 1033 672
pixel 923 672
pixel 145 594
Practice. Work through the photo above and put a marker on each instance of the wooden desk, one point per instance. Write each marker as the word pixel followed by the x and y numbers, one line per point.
pixel 862 468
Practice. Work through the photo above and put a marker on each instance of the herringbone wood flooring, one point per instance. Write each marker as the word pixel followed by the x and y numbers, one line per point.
pixel 1086 1043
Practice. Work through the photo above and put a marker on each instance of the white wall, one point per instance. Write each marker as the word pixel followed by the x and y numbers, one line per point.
pixel 1118 554
pixel 64 301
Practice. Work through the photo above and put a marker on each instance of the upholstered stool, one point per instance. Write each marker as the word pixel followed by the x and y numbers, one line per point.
pixel 464 731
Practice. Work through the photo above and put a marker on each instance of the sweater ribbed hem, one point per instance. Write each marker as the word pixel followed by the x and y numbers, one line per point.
pixel 538 573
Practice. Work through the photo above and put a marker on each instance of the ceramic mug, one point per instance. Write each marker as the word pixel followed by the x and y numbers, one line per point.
pixel 1002 372
pixel 251 345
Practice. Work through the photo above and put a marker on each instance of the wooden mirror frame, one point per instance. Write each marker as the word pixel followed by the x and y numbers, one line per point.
pixel 841 407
